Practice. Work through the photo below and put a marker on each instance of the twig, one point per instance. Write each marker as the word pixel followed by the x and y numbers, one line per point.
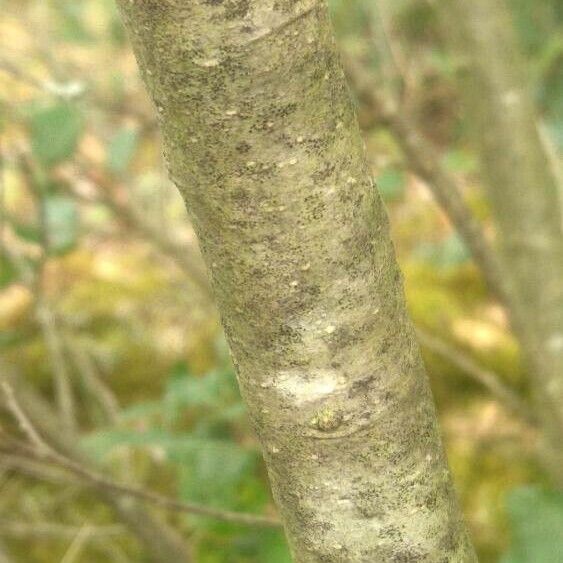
pixel 49 529
pixel 44 318
pixel 43 313
pixel 23 421
pixel 184 257
pixel 156 498
pixel 64 394
pixel 425 162
pixel 393 62
pixel 18 73
pixel 487 378
pixel 48 320
pixel 93 382
pixel 38 449
pixel 77 544
pixel 35 469
pixel 161 542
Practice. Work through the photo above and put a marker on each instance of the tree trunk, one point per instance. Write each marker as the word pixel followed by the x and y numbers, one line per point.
pixel 261 139
pixel 523 192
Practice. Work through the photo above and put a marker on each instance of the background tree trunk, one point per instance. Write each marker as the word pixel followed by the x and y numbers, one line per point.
pixel 261 139
pixel 524 195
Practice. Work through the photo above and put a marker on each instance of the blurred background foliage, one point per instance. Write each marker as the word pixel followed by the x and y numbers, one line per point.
pixel 105 311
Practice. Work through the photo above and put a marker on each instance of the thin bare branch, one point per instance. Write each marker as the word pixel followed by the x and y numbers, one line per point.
pixel 38 449
pixel 426 163
pixel 18 73
pixel 63 388
pixel 77 545
pixel 161 541
pixel 49 529
pixel 23 421
pixel 157 499
pixel 35 469
pixel 485 377
pixel 43 313
pixel 83 362
pixel 187 259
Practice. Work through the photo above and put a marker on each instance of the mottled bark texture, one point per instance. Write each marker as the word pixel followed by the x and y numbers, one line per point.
pixel 524 197
pixel 262 141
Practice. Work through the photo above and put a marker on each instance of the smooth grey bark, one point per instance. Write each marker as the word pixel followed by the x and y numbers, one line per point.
pixel 524 196
pixel 262 141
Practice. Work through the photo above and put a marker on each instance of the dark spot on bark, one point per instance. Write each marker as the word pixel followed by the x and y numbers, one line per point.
pixel 449 541
pixel 315 206
pixel 342 337
pixel 361 385
pixel 324 171
pixel 289 334
pixel 243 147
pixel 236 9
pixel 406 556
pixel 285 5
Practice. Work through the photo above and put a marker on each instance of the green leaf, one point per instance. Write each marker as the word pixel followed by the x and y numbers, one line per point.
pixel 215 391
pixel 417 20
pixel 274 548
pixel 391 184
pixel 444 62
pixel 448 253
pixel 140 411
pixel 62 223
pixel 10 338
pixel 536 518
pixel 72 22
pixel 8 272
pixel 210 470
pixel 27 231
pixel 259 546
pixel 55 131
pixel 215 475
pixel 534 21
pixel 460 161
pixel 121 150
pixel 187 390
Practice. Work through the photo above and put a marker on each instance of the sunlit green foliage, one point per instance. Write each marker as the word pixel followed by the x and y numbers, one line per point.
pixel 55 131
pixel 537 523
